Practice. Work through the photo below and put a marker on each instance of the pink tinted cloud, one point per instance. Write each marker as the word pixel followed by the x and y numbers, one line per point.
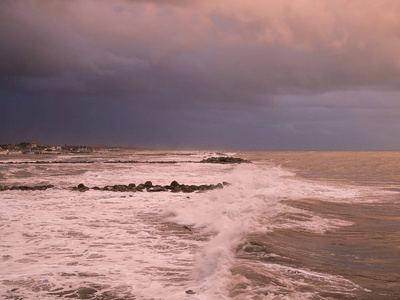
pixel 258 46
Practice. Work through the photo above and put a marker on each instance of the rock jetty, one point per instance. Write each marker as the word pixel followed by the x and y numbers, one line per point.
pixel 25 187
pixel 214 160
pixel 225 160
pixel 148 186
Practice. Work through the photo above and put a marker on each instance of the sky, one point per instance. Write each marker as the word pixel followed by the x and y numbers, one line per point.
pixel 209 74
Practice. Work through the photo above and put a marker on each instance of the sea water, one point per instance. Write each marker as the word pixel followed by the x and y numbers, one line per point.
pixel 291 225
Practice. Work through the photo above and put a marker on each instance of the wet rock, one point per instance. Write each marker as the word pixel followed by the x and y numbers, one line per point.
pixel 141 186
pixel 174 184
pixel 26 188
pixel 203 187
pixel 120 188
pixel 40 188
pixel 131 187
pixel 85 292
pixel 175 187
pixel 194 187
pixel 225 160
pixel 148 184
pixel 82 187
pixel 187 189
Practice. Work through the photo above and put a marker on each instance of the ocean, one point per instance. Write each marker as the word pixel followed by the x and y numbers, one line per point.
pixel 289 225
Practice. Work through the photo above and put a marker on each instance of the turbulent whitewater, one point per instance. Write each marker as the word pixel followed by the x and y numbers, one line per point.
pixel 291 225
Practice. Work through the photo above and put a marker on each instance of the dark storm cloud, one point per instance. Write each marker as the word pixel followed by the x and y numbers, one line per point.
pixel 261 68
pixel 264 48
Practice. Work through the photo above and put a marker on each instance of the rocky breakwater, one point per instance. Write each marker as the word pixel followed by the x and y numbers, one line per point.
pixel 225 160
pixel 25 187
pixel 148 186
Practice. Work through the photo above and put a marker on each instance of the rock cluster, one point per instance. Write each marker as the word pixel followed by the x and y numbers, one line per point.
pixel 47 162
pixel 174 187
pixel 225 160
pixel 91 162
pixel 143 162
pixel 26 188
pixel 214 160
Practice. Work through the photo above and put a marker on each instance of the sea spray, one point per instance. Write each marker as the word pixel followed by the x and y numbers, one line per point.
pixel 255 202
pixel 271 234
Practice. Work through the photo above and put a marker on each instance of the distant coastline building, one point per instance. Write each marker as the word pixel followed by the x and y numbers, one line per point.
pixel 34 148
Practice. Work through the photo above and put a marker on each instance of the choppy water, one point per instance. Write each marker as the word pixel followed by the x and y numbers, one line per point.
pixel 293 225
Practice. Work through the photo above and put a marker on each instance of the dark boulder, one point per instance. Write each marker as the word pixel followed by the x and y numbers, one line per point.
pixel 120 188
pixel 148 184
pixel 187 189
pixel 24 188
pixel 203 187
pixel 140 187
pixel 194 187
pixel 176 189
pixel 132 187
pixel 174 183
pixel 82 187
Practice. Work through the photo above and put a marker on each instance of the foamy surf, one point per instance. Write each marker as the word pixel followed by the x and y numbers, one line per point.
pixel 212 245
pixel 253 203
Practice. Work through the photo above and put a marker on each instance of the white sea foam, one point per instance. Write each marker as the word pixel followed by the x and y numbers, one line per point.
pixel 127 243
pixel 253 202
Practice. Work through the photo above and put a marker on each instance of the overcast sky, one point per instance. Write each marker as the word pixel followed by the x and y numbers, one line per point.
pixel 210 74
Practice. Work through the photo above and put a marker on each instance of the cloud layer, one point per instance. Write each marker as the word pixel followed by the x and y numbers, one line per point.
pixel 232 65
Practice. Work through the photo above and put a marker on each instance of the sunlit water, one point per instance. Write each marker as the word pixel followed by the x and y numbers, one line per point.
pixel 292 225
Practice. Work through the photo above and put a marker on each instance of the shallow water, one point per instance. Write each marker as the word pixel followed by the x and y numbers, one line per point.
pixel 293 225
